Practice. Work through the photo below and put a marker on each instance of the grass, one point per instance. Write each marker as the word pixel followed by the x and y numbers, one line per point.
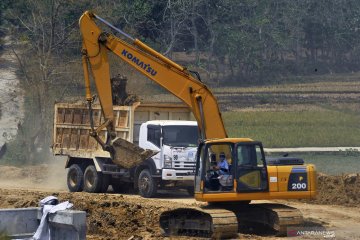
pixel 324 128
pixel 319 87
pixel 3 236
pixel 317 114
pixel 319 111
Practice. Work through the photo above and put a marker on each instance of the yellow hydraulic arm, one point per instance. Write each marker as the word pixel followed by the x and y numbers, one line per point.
pixel 173 77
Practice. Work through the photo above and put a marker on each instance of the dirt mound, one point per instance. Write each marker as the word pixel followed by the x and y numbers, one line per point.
pixel 340 190
pixel 115 216
pixel 109 216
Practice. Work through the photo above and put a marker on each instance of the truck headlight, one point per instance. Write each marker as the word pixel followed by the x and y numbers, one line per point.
pixel 167 161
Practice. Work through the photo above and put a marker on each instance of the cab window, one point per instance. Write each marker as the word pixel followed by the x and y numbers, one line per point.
pixel 154 134
pixel 218 168
pixel 249 155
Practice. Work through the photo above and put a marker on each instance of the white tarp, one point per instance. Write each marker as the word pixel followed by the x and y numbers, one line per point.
pixel 49 205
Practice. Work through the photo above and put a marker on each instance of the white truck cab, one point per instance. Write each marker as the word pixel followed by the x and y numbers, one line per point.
pixel 176 142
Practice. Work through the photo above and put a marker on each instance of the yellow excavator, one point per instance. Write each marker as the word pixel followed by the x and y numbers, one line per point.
pixel 227 187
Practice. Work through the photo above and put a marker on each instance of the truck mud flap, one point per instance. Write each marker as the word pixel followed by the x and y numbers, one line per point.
pixel 128 155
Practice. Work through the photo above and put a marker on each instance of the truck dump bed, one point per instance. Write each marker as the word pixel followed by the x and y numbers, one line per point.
pixel 72 125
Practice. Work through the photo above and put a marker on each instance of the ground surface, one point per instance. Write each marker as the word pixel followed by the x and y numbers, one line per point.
pixel 120 216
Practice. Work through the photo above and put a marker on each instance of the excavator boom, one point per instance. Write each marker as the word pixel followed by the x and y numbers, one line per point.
pixel 171 76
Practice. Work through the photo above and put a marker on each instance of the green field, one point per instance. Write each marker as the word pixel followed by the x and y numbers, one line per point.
pixel 327 128
pixel 318 112
pixel 312 114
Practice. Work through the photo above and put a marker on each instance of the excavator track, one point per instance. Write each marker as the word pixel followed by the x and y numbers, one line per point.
pixel 226 220
pixel 276 217
pixel 201 222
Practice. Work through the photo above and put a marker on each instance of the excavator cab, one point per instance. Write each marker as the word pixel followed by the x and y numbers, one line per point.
pixel 245 171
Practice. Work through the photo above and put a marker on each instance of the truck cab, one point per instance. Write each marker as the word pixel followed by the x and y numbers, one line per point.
pixel 176 142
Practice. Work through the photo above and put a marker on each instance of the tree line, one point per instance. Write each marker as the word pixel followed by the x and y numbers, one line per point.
pixel 243 40
pixel 230 42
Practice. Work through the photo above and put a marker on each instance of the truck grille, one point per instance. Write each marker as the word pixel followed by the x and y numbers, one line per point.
pixel 184 174
pixel 184 165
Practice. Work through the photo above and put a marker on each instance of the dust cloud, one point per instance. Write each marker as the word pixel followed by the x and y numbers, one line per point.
pixel 47 176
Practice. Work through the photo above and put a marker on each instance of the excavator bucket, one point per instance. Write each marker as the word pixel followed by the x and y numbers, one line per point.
pixel 128 155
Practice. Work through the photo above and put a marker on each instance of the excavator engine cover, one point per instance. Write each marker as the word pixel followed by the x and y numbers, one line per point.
pixel 128 155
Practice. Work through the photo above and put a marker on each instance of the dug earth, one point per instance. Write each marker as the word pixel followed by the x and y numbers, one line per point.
pixel 120 216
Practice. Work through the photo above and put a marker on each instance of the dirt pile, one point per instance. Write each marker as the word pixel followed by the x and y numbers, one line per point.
pixel 340 190
pixel 115 216
pixel 109 216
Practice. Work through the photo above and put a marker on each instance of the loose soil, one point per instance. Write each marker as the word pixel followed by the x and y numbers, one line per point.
pixel 341 190
pixel 119 216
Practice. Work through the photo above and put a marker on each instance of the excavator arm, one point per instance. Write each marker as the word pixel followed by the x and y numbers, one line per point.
pixel 171 76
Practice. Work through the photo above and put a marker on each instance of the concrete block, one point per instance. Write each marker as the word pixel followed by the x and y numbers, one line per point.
pixel 23 222
pixel 19 220
pixel 68 224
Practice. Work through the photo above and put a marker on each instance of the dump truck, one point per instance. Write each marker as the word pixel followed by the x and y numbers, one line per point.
pixel 162 127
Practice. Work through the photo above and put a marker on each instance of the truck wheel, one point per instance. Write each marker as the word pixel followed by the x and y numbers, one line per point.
pixel 147 185
pixel 75 177
pixel 93 180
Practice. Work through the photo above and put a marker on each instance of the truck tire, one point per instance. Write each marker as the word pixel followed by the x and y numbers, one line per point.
pixel 94 181
pixel 146 184
pixel 75 178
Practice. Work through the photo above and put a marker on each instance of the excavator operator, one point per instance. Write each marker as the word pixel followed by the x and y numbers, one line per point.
pixel 223 165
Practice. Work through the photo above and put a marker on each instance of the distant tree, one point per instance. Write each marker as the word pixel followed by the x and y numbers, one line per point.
pixel 41 33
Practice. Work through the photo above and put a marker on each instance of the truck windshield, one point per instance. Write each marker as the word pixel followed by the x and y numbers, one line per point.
pixel 180 136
